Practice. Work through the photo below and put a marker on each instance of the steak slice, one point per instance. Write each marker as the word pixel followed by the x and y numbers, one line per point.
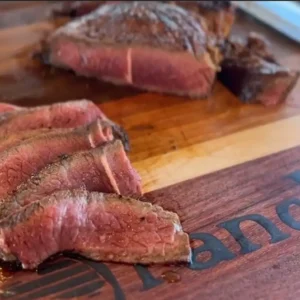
pixel 103 169
pixel 59 115
pixel 18 163
pixel 103 227
pixel 150 45
pixel 6 107
pixel 251 72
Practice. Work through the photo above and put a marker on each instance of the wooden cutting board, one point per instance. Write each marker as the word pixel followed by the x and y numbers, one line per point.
pixel 231 172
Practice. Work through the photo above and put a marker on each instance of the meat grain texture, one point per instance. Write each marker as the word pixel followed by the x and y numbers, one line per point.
pixel 20 162
pixel 150 45
pixel 104 169
pixel 104 227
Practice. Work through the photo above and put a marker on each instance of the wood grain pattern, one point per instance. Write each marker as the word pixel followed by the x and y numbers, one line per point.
pixel 203 158
pixel 174 141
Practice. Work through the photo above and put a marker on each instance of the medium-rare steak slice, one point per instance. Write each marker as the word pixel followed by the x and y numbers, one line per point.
pixel 150 45
pixel 108 127
pixel 59 115
pixel 104 227
pixel 6 107
pixel 103 169
pixel 251 72
pixel 18 163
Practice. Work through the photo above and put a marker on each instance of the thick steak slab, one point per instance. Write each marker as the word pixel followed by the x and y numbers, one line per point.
pixel 149 45
pixel 104 227
pixel 103 169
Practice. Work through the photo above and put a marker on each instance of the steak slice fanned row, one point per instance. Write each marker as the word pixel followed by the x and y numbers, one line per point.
pixel 103 169
pixel 104 227
pixel 251 72
pixel 150 45
pixel 18 163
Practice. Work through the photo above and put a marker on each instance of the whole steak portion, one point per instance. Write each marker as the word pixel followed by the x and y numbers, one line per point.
pixel 252 73
pixel 104 227
pixel 104 169
pixel 59 115
pixel 150 45
pixel 20 162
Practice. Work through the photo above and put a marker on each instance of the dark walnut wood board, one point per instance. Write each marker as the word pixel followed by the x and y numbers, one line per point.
pixel 216 162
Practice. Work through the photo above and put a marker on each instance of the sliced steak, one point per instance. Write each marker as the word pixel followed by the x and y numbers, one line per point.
pixel 18 163
pixel 60 115
pixel 150 45
pixel 6 107
pixel 103 169
pixel 251 72
pixel 103 227
pixel 108 126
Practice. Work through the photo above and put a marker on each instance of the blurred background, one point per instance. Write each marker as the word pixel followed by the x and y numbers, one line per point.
pixel 283 16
